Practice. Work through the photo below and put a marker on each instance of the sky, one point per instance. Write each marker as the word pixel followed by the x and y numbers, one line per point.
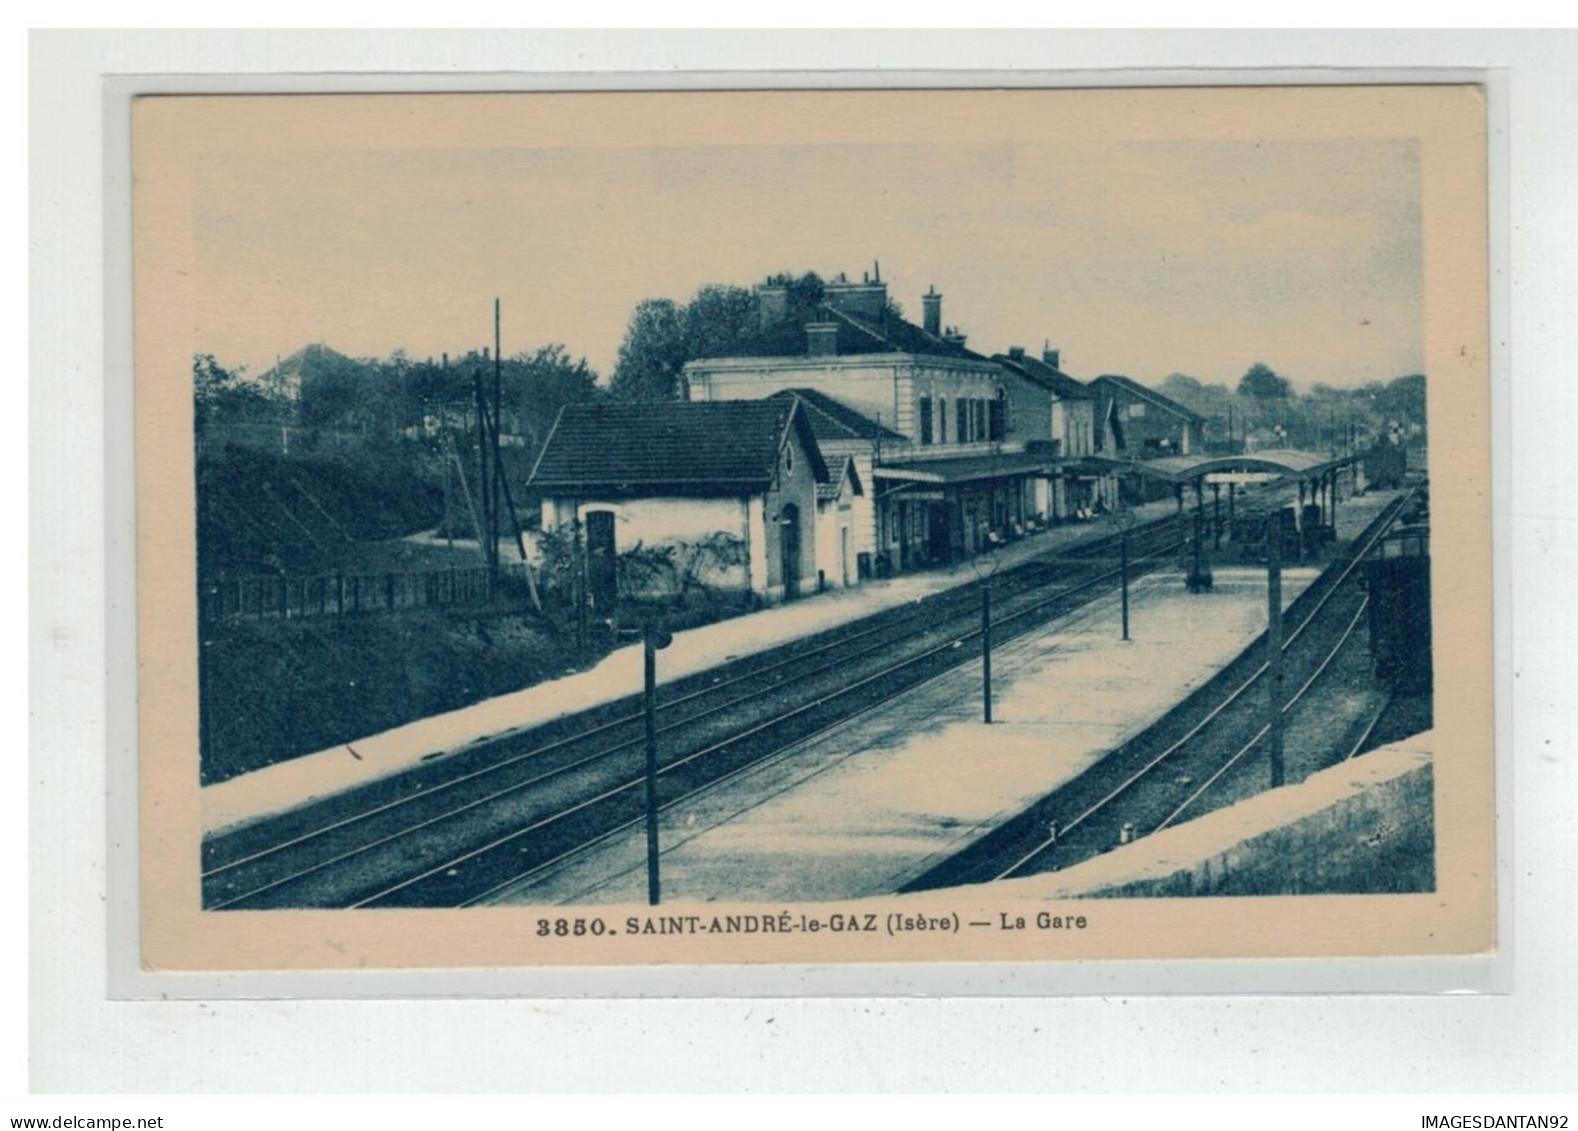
pixel 1144 255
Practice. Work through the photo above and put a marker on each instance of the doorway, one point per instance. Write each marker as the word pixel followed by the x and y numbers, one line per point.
pixel 602 560
pixel 789 526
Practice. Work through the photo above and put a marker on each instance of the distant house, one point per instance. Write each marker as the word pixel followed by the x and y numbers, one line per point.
pixel 1069 419
pixel 1152 424
pixel 682 475
pixel 1109 437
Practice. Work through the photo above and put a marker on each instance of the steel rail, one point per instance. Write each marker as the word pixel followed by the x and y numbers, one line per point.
pixel 763 762
pixel 1369 730
pixel 608 752
pixel 1382 523
pixel 947 647
pixel 1158 526
pixel 1264 730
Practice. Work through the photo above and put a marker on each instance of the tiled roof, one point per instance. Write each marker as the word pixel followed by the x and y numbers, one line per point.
pixel 856 335
pixel 674 447
pixel 834 487
pixel 1144 393
pixel 1048 377
pixel 832 419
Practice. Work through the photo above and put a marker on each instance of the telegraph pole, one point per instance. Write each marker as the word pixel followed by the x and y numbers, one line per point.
pixel 498 427
pixel 484 477
pixel 1274 676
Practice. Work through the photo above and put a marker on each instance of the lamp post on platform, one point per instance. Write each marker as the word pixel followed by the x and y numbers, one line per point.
pixel 984 566
pixel 1274 673
pixel 1125 520
pixel 653 640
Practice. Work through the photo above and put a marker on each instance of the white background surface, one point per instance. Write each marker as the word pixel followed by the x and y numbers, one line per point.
pixel 80 1042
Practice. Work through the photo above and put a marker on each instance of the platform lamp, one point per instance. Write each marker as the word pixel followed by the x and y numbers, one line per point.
pixel 653 640
pixel 984 566
pixel 1125 520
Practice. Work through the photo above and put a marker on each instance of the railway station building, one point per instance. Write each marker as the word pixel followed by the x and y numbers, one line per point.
pixel 1151 424
pixel 1081 483
pixel 729 489
pixel 957 450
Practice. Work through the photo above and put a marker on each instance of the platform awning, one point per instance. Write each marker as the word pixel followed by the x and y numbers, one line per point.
pixel 1284 463
pixel 969 469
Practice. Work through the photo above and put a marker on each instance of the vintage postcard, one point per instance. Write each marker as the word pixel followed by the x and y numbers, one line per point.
pixel 629 529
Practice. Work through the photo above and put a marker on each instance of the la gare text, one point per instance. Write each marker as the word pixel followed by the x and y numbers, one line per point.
pixel 792 923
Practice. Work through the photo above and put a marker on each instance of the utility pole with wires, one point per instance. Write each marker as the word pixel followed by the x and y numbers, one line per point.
pixel 498 427
pixel 484 479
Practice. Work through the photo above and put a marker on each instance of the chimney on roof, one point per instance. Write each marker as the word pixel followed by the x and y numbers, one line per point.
pixel 866 299
pixel 953 337
pixel 1016 353
pixel 772 301
pixel 1050 356
pixel 931 304
pixel 821 339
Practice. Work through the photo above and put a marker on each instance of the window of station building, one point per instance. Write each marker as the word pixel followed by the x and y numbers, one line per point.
pixel 942 420
pixel 962 408
pixel 1136 409
pixel 997 421
pixel 925 420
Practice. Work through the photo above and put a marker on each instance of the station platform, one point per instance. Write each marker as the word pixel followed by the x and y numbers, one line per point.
pixel 874 802
pixel 868 806
pixel 286 785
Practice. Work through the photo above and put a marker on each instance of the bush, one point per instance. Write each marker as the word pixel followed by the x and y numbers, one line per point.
pixel 276 690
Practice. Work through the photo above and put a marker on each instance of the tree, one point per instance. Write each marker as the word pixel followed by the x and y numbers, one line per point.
pixel 539 384
pixel 651 361
pixel 805 294
pixel 1403 401
pixel 1181 387
pixel 718 319
pixel 1262 383
pixel 226 396
pixel 336 392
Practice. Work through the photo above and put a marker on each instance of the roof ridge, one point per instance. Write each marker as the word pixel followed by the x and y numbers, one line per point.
pixel 859 324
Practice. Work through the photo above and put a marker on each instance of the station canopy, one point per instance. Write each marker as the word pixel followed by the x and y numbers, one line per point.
pixel 1282 463
pixel 969 469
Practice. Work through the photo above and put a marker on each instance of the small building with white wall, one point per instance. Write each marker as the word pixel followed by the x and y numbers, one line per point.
pixel 837 502
pixel 731 482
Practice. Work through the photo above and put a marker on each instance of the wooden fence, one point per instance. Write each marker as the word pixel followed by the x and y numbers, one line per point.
pixel 346 594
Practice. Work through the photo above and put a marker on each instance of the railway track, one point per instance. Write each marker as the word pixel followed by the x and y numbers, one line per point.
pixel 1179 767
pixel 452 831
